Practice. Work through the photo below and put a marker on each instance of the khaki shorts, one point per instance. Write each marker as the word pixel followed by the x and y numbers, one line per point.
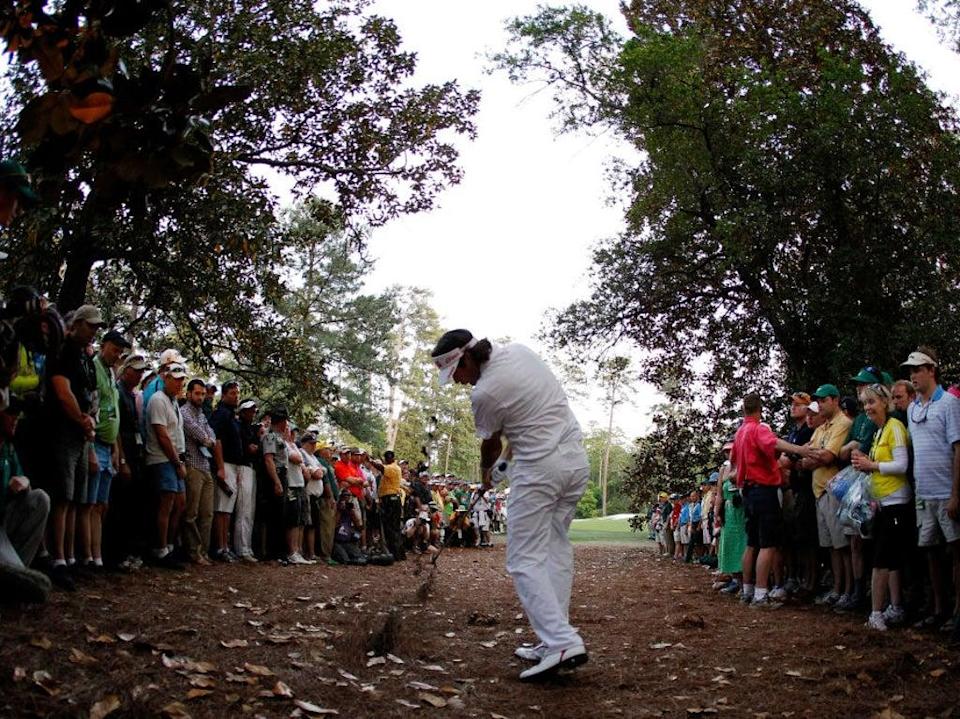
pixel 685 534
pixel 933 523
pixel 221 502
pixel 828 523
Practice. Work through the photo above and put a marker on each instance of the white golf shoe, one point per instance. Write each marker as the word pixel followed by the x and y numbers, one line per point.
pixel 531 653
pixel 552 662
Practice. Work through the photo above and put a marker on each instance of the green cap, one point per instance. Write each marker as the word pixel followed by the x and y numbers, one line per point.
pixel 868 375
pixel 887 378
pixel 826 390
pixel 14 176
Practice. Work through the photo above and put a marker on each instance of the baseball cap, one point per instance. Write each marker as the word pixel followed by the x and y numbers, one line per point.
pixel 14 176
pixel 117 338
pixel 247 404
pixel 813 408
pixel 826 390
pixel 89 314
pixel 278 414
pixel 134 360
pixel 868 375
pixel 308 438
pixel 918 359
pixel 800 398
pixel 177 371
pixel 171 356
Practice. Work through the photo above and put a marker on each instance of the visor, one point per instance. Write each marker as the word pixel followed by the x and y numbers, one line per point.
pixel 447 362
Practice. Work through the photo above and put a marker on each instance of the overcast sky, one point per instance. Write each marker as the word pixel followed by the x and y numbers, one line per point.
pixel 514 238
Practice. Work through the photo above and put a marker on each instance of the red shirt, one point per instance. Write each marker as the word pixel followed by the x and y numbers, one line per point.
pixel 346 470
pixel 755 455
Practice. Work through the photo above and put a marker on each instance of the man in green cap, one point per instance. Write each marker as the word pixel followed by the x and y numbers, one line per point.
pixel 15 191
pixel 827 441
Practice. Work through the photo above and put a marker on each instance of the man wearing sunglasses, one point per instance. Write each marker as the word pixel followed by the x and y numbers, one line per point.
pixel 934 422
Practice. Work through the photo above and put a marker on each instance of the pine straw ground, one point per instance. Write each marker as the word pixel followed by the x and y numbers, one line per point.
pixel 239 641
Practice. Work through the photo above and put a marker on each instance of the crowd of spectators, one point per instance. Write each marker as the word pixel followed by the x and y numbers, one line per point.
pixel 775 518
pixel 111 462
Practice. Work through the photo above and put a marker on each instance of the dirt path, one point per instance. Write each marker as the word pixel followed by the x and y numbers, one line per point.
pixel 239 641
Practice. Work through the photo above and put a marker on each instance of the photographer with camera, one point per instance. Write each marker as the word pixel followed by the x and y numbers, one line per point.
pixel 346 540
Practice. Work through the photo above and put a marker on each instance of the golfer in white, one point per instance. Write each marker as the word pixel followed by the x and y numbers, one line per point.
pixel 515 396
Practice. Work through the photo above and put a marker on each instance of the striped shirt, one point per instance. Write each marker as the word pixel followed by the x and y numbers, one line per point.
pixel 934 428
pixel 197 431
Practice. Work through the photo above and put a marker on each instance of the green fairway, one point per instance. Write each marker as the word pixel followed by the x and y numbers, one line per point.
pixel 605 530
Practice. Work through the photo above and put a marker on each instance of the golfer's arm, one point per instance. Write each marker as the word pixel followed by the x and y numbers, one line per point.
pixel 490 452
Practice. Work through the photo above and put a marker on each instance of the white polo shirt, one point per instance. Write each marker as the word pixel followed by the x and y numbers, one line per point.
pixel 518 396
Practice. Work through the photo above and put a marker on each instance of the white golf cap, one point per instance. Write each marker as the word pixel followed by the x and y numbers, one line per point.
pixel 171 356
pixel 177 371
pixel 813 407
pixel 448 362
pixel 918 359
pixel 247 404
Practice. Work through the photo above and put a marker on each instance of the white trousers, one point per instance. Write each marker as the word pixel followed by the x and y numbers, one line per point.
pixel 543 501
pixel 21 527
pixel 244 508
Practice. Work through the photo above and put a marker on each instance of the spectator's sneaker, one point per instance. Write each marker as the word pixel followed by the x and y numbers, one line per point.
pixel 930 621
pixel 827 600
pixel 720 584
pixel 732 587
pixel 531 654
pixel 893 616
pixel 876 622
pixel 766 603
pixel 297 558
pixel 746 598
pixel 791 586
pixel 950 625
pixel 553 662
pixel 846 603
pixel 61 576
pixel 24 585
pixel 333 563
pixel 778 594
pixel 248 558
pixel 225 555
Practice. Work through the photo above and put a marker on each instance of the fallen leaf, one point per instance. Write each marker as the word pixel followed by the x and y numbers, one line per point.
pixel 40 642
pixel 888 713
pixel 435 668
pixel 175 710
pixel 126 636
pixel 201 667
pixel 240 679
pixel 304 599
pixel 202 681
pixel 258 670
pixel 78 657
pixel 279 638
pixel 432 700
pixel 101 639
pixel 233 643
pixel 408 705
pixel 494 715
pixel 105 706
pixel 936 673
pixel 311 708
pixel 198 693
pixel 449 690
pixel 347 675
pixel 794 673
pixel 395 659
pixel 254 622
pixel 232 590
pixel 661 645
pixel 44 680
pixel 376 661
pixel 243 605
pixel 423 686
pixel 450 635
pixel 280 689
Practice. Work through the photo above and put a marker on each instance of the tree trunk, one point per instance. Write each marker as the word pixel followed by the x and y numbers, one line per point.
pixel 605 463
pixel 73 289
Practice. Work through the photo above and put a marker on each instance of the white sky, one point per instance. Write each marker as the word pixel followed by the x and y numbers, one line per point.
pixel 514 238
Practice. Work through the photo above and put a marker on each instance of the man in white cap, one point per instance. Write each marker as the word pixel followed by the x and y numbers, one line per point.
pixel 516 397
pixel 167 357
pixel 934 417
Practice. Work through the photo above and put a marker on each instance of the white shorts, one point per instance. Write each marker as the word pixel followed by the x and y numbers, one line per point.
pixel 221 502
pixel 676 535
pixel 934 524
pixel 685 534
pixel 828 523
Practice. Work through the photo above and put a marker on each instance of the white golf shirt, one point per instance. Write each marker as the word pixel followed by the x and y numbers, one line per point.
pixel 518 396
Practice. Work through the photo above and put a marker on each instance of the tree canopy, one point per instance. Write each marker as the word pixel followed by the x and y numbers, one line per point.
pixel 795 206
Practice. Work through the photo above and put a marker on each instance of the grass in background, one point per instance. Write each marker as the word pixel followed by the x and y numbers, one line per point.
pixel 605 530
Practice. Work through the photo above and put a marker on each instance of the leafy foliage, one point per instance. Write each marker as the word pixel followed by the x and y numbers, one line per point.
pixel 795 203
